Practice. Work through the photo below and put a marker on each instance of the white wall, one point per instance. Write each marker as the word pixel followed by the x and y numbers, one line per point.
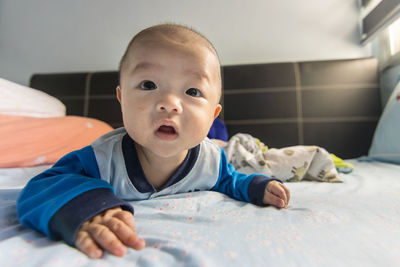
pixel 91 35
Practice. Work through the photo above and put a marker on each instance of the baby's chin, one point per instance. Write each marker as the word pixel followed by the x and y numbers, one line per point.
pixel 179 154
pixel 168 148
pixel 160 148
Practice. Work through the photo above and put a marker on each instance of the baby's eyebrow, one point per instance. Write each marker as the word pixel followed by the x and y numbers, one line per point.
pixel 198 74
pixel 143 66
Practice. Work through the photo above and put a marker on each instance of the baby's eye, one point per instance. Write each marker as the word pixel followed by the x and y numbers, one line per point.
pixel 148 85
pixel 193 92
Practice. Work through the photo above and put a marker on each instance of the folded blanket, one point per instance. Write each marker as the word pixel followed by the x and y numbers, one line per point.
pixel 289 164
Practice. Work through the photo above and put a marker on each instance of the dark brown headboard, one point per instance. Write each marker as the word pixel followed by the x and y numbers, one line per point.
pixel 334 104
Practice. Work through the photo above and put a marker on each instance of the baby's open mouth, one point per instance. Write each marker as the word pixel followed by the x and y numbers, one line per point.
pixel 166 129
pixel 167 133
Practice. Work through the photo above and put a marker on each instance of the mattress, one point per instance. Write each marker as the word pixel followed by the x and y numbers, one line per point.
pixel 354 223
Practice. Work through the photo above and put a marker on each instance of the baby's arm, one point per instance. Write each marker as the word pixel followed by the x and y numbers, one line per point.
pixel 58 201
pixel 256 188
pixel 112 230
pixel 276 194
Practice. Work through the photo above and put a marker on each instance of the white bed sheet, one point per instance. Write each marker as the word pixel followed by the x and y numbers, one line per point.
pixel 354 223
pixel 14 178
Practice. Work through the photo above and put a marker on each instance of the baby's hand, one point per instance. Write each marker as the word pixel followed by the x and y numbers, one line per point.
pixel 112 230
pixel 276 194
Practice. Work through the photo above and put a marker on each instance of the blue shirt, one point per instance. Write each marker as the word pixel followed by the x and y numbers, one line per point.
pixel 108 173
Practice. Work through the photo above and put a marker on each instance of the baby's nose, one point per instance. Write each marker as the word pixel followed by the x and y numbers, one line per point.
pixel 169 103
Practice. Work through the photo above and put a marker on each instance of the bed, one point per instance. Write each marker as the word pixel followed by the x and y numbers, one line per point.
pixel 332 104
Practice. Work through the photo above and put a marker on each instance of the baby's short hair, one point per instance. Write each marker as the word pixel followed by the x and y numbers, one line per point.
pixel 168 27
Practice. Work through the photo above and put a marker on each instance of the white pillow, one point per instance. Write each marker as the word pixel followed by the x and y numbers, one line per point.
pixel 19 100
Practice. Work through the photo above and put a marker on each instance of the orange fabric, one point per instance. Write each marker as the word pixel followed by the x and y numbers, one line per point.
pixel 28 141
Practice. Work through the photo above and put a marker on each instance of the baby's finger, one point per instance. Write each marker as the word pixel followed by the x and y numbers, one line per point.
pixel 272 199
pixel 124 233
pixel 106 239
pixel 127 218
pixel 287 191
pixel 85 243
pixel 277 189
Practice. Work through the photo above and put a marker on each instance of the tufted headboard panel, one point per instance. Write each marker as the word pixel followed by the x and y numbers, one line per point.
pixel 334 104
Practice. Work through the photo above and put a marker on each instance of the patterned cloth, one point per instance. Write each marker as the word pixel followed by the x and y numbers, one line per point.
pixel 289 164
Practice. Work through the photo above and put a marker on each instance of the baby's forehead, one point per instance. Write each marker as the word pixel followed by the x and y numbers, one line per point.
pixel 170 43
pixel 171 34
pixel 174 41
pixel 146 53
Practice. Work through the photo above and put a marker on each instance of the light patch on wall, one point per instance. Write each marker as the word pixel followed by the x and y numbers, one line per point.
pixel 394 37
pixel 388 46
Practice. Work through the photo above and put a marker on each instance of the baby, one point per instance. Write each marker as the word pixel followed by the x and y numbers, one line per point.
pixel 170 86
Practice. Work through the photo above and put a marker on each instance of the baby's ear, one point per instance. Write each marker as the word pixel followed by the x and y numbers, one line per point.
pixel 217 110
pixel 118 89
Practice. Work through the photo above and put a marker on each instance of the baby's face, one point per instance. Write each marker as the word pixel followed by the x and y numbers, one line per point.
pixel 169 95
